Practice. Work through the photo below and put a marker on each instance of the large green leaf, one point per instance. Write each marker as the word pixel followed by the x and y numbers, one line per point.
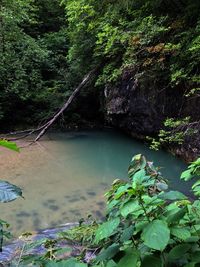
pixel 139 176
pixel 176 215
pixel 181 233
pixel 10 145
pixel 156 235
pixel 106 229
pixel 131 207
pixel 108 253
pixel 172 195
pixel 130 259
pixel 9 192
pixel 178 251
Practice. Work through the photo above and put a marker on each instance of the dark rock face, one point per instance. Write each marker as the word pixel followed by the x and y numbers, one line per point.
pixel 140 105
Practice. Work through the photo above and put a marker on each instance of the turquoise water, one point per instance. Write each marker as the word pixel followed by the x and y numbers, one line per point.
pixel 64 177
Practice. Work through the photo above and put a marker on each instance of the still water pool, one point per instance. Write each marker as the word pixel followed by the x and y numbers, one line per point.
pixel 64 177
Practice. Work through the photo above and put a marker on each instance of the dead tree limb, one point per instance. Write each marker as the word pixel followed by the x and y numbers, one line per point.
pixel 86 79
pixel 41 130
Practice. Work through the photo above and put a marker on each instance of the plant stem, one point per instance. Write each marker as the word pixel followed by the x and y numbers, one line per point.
pixel 143 207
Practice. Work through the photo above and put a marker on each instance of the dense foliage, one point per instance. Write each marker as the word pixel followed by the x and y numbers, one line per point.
pixel 46 47
pixel 160 39
pixel 33 65
pixel 146 225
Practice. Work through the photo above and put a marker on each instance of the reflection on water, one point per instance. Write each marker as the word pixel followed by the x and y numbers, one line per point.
pixel 65 176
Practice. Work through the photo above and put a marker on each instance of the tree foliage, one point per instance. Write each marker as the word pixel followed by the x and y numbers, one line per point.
pixel 32 60
pixel 47 46
pixel 150 35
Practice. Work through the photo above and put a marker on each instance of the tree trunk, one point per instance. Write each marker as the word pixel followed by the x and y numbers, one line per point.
pixel 85 80
pixel 44 127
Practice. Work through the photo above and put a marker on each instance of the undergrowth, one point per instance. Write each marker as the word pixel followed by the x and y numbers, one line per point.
pixel 146 225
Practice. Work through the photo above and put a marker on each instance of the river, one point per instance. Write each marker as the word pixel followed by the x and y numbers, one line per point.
pixel 65 176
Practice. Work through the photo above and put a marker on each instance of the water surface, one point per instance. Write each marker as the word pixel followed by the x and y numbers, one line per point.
pixel 64 177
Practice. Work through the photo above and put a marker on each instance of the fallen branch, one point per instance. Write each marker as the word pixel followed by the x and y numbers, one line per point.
pixel 43 128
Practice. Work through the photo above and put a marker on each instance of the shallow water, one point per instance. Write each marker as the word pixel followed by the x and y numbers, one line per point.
pixel 65 176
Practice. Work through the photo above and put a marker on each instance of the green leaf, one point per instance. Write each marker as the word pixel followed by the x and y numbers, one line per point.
pixel 172 195
pixel 108 253
pixel 181 233
pixel 131 207
pixel 162 186
pixel 106 229
pixel 156 235
pixel 4 223
pixel 66 263
pixel 196 184
pixel 138 162
pixel 9 145
pixel 35 243
pixel 139 226
pixel 111 264
pixel 151 261
pixel 196 257
pixel 121 191
pixel 9 192
pixel 139 175
pixel 152 201
pixel 192 239
pixel 112 204
pixel 195 229
pixel 186 175
pixel 178 251
pixel 196 191
pixel 130 259
pixel 176 215
pixel 127 233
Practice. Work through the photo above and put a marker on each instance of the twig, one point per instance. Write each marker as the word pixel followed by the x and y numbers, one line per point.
pixel 20 256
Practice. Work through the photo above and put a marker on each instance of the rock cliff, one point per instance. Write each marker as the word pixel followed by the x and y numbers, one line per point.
pixel 140 105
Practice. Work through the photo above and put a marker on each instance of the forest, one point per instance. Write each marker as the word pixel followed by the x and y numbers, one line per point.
pixel 48 46
pixel 131 65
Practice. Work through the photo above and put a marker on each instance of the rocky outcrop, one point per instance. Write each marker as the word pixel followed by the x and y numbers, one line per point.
pixel 138 104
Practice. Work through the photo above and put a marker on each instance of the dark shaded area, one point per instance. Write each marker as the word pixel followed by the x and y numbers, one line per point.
pixel 90 193
pixel 23 214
